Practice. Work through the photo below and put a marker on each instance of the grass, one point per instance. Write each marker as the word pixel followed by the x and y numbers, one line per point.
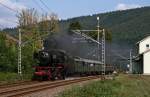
pixel 9 77
pixel 122 86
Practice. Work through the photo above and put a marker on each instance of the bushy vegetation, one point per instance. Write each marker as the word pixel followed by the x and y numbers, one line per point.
pixel 122 86
pixel 33 30
pixel 11 77
pixel 8 54
pixel 9 57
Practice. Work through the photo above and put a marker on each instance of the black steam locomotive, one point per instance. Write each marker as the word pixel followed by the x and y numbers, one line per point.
pixel 57 64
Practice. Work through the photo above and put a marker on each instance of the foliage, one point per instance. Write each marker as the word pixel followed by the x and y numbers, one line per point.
pixel 125 26
pixel 77 26
pixel 33 29
pixel 11 77
pixel 27 19
pixel 74 26
pixel 122 86
pixel 108 34
pixel 128 26
pixel 11 31
pixel 8 55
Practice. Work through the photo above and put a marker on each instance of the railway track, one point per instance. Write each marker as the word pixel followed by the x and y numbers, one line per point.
pixel 17 84
pixel 27 89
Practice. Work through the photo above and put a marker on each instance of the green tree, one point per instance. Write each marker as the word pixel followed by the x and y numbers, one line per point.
pixel 108 34
pixel 8 54
pixel 34 28
pixel 74 26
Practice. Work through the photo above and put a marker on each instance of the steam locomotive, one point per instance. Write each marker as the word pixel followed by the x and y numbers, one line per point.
pixel 57 64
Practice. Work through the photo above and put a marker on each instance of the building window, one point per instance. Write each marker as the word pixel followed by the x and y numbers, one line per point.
pixel 147 46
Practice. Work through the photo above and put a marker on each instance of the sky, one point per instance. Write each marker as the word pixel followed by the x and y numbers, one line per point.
pixel 63 8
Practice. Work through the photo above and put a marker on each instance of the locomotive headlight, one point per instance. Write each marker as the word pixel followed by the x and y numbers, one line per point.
pixel 44 54
pixel 91 65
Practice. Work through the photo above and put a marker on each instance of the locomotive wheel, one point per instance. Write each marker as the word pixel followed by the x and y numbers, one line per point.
pixel 48 77
pixel 53 74
pixel 34 77
pixel 52 78
pixel 61 76
pixel 39 78
pixel 44 78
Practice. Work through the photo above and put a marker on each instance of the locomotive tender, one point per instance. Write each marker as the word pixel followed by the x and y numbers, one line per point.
pixel 58 64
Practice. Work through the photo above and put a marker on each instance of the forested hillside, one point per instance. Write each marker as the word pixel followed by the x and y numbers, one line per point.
pixel 131 25
pixel 126 26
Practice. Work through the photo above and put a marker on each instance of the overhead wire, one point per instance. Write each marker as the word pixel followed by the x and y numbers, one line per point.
pixel 45 11
pixel 17 12
pixel 8 7
pixel 38 5
pixel 11 9
pixel 45 5
pixel 119 55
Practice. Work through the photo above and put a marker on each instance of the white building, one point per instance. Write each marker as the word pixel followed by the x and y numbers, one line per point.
pixel 144 53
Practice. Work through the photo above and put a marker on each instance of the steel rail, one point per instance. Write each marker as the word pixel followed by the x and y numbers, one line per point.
pixel 40 87
pixel 2 86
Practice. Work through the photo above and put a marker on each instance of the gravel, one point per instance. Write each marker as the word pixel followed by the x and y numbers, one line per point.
pixel 55 91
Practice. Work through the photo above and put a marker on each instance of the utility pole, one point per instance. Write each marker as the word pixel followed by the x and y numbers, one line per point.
pixel 19 54
pixel 103 52
pixel 98 46
pixel 20 45
pixel 131 61
pixel 98 43
pixel 103 46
